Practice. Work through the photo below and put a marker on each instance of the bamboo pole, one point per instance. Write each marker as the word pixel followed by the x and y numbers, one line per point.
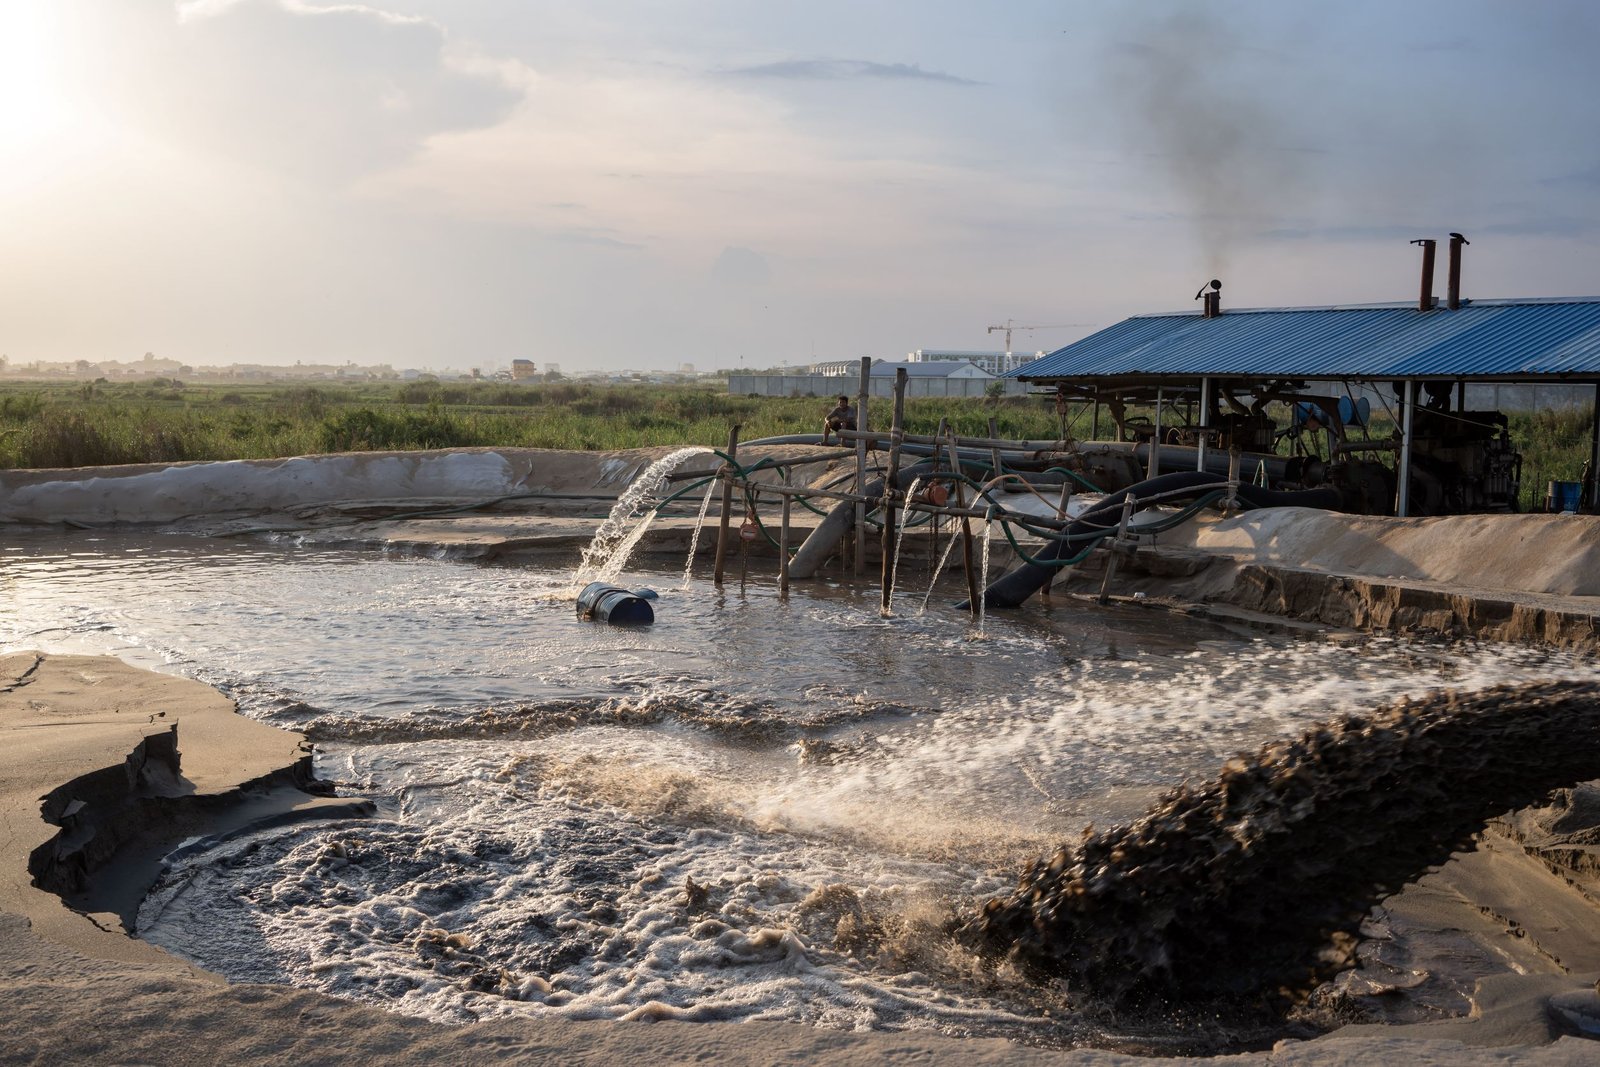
pixel 727 504
pixel 897 428
pixel 880 437
pixel 783 548
pixel 933 547
pixel 1116 548
pixel 1061 516
pixel 971 513
pixel 973 592
pixel 861 460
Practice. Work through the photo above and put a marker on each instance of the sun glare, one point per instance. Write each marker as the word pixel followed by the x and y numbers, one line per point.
pixel 31 104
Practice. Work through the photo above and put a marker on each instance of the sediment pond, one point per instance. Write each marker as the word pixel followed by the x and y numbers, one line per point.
pixel 759 807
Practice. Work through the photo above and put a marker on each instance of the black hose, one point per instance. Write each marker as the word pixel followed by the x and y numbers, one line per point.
pixel 1016 586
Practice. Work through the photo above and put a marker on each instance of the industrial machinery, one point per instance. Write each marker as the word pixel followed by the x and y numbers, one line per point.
pixel 1460 461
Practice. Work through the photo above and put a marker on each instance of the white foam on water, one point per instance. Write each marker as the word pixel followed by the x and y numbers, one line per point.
pixel 772 751
pixel 607 554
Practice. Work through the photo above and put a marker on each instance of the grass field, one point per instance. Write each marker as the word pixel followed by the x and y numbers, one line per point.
pixel 80 425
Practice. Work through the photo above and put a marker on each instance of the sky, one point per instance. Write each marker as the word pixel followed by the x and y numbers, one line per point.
pixel 644 183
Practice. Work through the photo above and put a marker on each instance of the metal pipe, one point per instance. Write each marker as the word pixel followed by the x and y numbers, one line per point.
pixel 1453 298
pixel 1205 422
pixel 881 437
pixel 1402 505
pixel 1425 296
pixel 861 461
pixel 1155 440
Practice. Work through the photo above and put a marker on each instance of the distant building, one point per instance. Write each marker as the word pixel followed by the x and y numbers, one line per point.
pixel 993 362
pixel 524 370
pixel 834 368
pixel 942 368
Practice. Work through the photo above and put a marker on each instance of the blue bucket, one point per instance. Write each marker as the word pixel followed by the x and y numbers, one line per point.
pixel 1563 496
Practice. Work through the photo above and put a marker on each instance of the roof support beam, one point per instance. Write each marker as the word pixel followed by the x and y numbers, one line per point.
pixel 1594 456
pixel 1155 441
pixel 1408 405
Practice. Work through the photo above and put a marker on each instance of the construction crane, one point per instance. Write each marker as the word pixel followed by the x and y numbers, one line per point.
pixel 1009 326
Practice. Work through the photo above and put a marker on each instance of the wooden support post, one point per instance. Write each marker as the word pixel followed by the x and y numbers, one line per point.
pixel 861 462
pixel 994 450
pixel 783 548
pixel 933 547
pixel 1061 515
pixel 896 431
pixel 727 505
pixel 973 592
pixel 1116 548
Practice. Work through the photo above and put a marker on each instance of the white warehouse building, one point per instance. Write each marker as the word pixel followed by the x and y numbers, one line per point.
pixel 993 362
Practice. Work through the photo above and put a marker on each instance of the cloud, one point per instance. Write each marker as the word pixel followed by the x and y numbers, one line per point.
pixel 741 267
pixel 1376 232
pixel 845 70
pixel 1588 178
pixel 328 92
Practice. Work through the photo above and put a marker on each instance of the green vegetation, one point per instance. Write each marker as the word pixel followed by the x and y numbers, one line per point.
pixel 1555 447
pixel 71 425
pixel 162 421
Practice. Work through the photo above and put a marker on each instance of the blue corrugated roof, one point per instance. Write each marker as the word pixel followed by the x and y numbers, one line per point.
pixel 1515 339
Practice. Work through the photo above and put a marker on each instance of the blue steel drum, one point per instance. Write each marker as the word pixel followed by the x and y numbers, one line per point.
pixel 1354 412
pixel 1563 496
pixel 614 605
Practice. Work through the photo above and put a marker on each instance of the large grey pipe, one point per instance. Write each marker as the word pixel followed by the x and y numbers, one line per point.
pixel 1015 586
pixel 822 542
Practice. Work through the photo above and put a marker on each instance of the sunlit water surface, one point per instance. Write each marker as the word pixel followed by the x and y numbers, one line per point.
pixel 758 808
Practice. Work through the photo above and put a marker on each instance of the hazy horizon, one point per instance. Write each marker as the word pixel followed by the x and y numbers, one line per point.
pixel 458 183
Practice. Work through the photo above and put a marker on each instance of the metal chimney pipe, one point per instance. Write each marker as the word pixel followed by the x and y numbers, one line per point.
pixel 1425 298
pixel 1453 297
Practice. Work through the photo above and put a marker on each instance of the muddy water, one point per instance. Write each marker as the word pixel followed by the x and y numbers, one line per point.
pixel 756 808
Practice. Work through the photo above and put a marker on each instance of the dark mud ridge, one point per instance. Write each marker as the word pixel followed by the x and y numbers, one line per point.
pixel 1250 890
pixel 146 801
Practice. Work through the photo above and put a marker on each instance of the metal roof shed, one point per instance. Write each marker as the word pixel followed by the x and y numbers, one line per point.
pixel 1520 341
pixel 1482 340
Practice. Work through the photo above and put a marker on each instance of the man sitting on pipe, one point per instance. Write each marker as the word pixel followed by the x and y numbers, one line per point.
pixel 842 417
